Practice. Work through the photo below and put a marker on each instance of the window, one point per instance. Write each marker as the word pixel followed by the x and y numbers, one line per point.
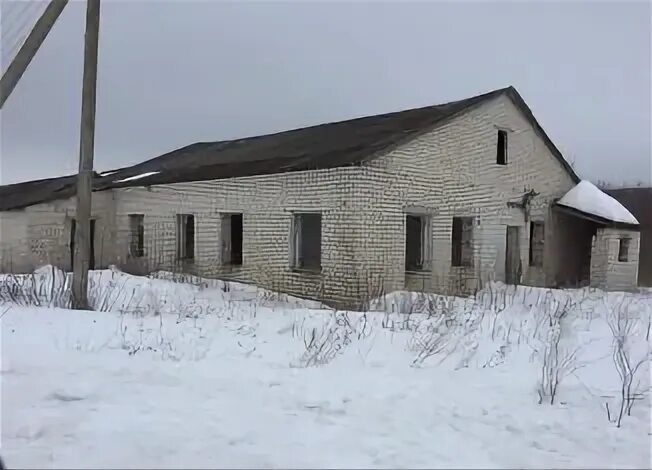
pixel 231 235
pixel 136 235
pixel 501 148
pixel 186 236
pixel 462 237
pixel 537 239
pixel 305 242
pixel 623 249
pixel 418 241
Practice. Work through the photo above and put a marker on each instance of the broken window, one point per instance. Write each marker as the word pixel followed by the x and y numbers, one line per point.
pixel 305 242
pixel 501 148
pixel 231 232
pixel 186 236
pixel 462 237
pixel 417 242
pixel 536 243
pixel 623 249
pixel 136 235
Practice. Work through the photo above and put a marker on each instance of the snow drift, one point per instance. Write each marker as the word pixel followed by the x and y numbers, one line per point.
pixel 207 374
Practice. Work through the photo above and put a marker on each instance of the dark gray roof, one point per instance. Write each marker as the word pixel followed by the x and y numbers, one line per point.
pixel 21 195
pixel 331 145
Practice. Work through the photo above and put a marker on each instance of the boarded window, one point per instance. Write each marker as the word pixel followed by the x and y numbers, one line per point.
pixel 623 249
pixel 186 236
pixel 136 235
pixel 418 241
pixel 231 235
pixel 501 148
pixel 537 239
pixel 462 241
pixel 305 242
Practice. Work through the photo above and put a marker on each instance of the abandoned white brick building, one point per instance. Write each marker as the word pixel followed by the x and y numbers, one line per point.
pixel 439 199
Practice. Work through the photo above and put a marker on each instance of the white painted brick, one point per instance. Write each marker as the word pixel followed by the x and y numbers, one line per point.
pixel 450 171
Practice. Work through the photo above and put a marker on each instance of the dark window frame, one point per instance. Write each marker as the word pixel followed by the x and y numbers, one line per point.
pixel 304 256
pixel 186 232
pixel 232 252
pixel 502 146
pixel 136 235
pixel 418 259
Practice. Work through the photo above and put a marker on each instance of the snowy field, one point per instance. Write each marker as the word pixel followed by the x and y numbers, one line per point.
pixel 207 374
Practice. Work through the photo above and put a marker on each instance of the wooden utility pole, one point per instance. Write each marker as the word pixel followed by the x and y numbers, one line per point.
pixel 29 48
pixel 86 147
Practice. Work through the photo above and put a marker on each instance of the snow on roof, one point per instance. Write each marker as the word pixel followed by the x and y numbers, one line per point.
pixel 586 197
pixel 137 177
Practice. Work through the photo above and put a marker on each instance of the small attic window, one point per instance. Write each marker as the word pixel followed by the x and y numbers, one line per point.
pixel 501 147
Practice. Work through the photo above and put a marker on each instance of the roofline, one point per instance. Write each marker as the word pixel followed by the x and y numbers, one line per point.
pixel 629 188
pixel 40 180
pixel 481 100
pixel 518 101
pixel 101 183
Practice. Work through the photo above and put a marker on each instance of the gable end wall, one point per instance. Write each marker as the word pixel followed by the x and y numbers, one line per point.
pixel 452 171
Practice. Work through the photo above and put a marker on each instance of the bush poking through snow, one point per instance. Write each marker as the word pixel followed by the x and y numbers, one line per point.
pixel 624 325
pixel 429 339
pixel 557 362
pixel 322 345
pixel 46 287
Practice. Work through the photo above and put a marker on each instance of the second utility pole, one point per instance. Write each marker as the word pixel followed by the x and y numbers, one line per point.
pixel 83 245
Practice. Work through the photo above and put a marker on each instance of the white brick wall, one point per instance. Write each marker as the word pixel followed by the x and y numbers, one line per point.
pixel 607 272
pixel 453 171
pixel 267 203
pixel 13 240
pixel 448 172
pixel 40 234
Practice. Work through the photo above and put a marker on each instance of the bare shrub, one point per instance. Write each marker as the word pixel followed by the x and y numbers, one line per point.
pixel 47 286
pixel 625 325
pixel 429 339
pixel 322 345
pixel 446 326
pixel 557 362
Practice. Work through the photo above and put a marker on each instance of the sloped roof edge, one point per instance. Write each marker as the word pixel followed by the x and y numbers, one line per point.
pixel 329 145
pixel 589 199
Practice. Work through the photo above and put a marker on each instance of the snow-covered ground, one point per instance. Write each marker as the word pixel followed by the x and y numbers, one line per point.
pixel 214 375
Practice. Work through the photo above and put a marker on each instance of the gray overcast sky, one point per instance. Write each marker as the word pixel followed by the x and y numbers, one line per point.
pixel 172 73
